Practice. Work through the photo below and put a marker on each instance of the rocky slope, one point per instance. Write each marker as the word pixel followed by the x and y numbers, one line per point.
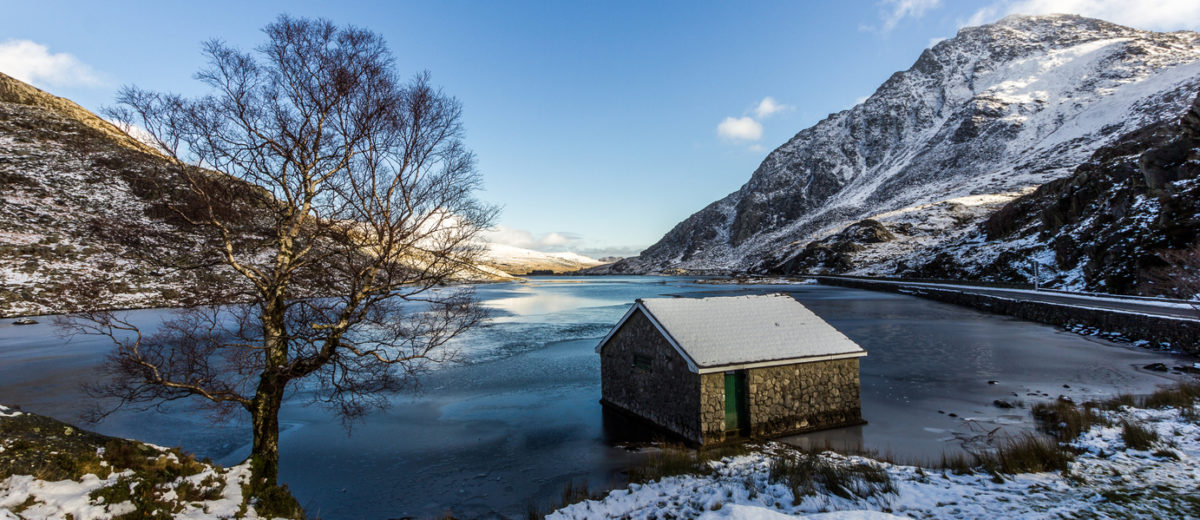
pixel 71 182
pixel 1115 225
pixel 63 172
pixel 994 110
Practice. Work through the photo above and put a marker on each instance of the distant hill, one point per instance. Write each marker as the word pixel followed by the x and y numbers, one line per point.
pixel 519 261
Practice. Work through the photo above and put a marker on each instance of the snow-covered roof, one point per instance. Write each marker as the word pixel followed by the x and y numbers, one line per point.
pixel 731 332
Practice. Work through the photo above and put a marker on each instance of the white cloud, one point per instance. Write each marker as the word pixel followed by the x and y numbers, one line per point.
pixel 33 63
pixel 556 242
pixel 1158 15
pixel 740 129
pixel 892 12
pixel 768 107
pixel 547 242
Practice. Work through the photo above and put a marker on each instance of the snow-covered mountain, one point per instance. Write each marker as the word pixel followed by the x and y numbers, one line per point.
pixel 995 110
pixel 518 261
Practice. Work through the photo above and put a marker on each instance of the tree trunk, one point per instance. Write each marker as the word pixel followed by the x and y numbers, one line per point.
pixel 264 414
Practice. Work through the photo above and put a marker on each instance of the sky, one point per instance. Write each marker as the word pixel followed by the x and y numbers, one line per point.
pixel 598 125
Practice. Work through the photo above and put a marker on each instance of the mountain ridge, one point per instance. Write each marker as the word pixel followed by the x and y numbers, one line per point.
pixel 996 109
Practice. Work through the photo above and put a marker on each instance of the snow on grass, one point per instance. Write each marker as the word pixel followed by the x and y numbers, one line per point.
pixel 31 498
pixel 1107 480
pixel 51 470
pixel 27 498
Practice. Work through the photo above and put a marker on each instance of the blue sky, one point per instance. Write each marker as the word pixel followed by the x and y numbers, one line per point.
pixel 598 125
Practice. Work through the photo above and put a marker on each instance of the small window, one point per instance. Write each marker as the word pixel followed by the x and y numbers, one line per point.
pixel 643 362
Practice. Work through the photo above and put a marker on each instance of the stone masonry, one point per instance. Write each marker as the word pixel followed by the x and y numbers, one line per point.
pixel 668 394
pixel 782 399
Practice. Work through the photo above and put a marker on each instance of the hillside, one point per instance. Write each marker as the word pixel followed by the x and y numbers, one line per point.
pixel 519 261
pixel 1111 226
pixel 977 120
pixel 64 174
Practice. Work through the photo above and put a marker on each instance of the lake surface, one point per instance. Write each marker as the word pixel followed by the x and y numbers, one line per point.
pixel 520 417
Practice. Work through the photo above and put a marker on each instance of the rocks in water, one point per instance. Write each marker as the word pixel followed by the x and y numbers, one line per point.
pixel 1000 403
pixel 24 321
pixel 1157 367
pixel 993 382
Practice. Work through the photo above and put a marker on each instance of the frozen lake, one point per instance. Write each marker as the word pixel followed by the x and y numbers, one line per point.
pixel 520 417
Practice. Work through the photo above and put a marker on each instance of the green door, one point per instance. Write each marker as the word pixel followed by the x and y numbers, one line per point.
pixel 735 399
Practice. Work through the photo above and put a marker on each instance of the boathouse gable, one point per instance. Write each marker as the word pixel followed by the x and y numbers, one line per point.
pixel 638 360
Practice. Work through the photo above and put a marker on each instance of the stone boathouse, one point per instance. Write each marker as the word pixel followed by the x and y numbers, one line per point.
pixel 710 369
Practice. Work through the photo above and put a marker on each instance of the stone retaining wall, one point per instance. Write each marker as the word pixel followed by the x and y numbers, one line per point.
pixel 1178 333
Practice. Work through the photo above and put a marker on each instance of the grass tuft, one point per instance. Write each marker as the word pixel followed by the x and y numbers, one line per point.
pixel 808 473
pixel 1137 437
pixel 676 459
pixel 571 494
pixel 1182 396
pixel 1028 453
pixel 1066 420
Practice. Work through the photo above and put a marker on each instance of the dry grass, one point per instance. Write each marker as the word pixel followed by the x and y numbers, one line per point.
pixel 809 473
pixel 1028 453
pixel 1066 420
pixel 677 459
pixel 1137 437
pixel 1183 396
pixel 571 494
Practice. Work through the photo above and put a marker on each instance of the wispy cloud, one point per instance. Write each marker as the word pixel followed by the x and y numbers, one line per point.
pixel 33 63
pixel 555 242
pixel 548 242
pixel 892 12
pixel 740 129
pixel 769 107
pixel 603 252
pixel 1159 15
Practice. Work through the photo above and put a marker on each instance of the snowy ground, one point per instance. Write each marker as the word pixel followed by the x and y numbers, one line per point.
pixel 1107 480
pixel 196 491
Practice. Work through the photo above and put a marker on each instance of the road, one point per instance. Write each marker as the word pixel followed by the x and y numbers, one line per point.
pixel 1150 306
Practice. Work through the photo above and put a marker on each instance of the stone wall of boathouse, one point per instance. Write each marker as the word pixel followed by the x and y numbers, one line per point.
pixel 788 399
pixel 804 397
pixel 643 375
pixel 663 392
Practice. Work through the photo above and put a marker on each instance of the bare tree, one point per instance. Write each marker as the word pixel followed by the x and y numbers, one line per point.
pixel 335 203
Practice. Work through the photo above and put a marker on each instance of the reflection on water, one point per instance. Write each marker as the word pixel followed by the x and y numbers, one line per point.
pixel 520 417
